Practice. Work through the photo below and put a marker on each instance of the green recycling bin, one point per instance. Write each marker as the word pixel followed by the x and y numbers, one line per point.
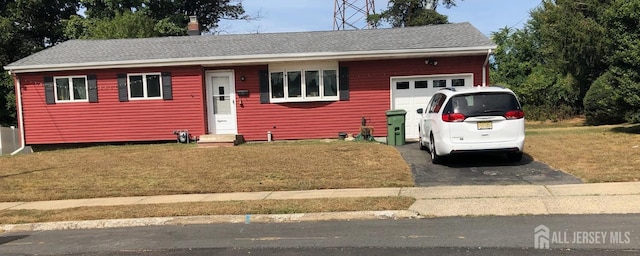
pixel 396 127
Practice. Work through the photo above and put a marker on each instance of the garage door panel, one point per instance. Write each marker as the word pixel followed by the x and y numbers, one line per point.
pixel 411 93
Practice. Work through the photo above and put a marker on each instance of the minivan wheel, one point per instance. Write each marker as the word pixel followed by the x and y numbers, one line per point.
pixel 435 159
pixel 515 156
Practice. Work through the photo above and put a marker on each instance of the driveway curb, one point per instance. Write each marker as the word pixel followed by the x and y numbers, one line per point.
pixel 211 219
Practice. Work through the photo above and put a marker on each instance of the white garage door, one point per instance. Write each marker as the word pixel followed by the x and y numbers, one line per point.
pixel 411 93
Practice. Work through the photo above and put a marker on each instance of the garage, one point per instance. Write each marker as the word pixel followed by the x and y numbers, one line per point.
pixel 413 92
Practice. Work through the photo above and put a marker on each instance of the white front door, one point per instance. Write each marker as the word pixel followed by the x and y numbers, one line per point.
pixel 221 102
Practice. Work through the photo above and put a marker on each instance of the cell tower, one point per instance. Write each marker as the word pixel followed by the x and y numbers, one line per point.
pixel 352 14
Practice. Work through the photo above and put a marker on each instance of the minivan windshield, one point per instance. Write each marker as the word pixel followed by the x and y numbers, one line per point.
pixel 482 104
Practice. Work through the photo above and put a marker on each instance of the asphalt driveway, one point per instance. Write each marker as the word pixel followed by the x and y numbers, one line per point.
pixel 482 169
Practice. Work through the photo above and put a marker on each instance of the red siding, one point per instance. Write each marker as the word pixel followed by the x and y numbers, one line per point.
pixel 147 120
pixel 110 120
pixel 369 98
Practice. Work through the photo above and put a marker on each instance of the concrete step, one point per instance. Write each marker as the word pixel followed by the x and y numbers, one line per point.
pixel 220 140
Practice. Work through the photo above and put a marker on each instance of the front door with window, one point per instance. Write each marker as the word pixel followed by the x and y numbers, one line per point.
pixel 221 103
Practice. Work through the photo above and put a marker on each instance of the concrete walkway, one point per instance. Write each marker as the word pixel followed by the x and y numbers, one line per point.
pixel 596 198
pixel 440 201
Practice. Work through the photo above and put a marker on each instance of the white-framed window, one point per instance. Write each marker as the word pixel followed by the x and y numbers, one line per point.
pixel 304 82
pixel 144 86
pixel 71 88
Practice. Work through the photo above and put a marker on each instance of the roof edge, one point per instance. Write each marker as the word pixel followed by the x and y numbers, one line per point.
pixel 254 59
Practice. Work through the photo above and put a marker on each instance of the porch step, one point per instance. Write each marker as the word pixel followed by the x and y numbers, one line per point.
pixel 220 140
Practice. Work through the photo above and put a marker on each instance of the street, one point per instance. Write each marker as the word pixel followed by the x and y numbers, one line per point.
pixel 436 236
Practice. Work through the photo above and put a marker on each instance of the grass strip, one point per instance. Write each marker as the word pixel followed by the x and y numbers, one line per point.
pixel 208 208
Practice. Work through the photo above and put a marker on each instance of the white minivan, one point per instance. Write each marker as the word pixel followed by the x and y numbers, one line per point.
pixel 478 119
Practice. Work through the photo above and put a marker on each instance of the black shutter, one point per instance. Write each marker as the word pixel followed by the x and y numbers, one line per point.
pixel 264 86
pixel 167 90
pixel 92 85
pixel 344 83
pixel 123 94
pixel 49 94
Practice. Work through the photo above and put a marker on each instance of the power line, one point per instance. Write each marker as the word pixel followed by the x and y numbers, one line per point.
pixel 527 16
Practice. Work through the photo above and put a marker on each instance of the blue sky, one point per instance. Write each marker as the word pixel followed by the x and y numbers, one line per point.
pixel 317 15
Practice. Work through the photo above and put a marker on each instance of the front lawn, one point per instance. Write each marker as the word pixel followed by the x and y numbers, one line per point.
pixel 136 170
pixel 592 153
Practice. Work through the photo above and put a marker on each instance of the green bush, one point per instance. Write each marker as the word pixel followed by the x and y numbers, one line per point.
pixel 632 116
pixel 548 112
pixel 548 95
pixel 628 86
pixel 602 104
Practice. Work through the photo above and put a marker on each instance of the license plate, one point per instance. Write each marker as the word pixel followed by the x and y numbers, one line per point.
pixel 485 125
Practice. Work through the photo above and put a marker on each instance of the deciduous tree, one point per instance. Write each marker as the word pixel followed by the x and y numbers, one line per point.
pixel 27 26
pixel 565 47
pixel 573 38
pixel 406 13
pixel 169 16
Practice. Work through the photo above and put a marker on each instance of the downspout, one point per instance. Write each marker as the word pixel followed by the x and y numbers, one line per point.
pixel 19 113
pixel 484 68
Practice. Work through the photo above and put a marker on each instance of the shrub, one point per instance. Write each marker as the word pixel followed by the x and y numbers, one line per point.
pixel 602 104
pixel 548 112
pixel 548 95
pixel 632 116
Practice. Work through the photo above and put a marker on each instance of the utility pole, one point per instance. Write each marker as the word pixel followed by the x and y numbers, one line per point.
pixel 352 14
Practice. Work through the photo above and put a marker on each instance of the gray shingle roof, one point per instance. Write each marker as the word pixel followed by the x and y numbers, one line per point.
pixel 84 52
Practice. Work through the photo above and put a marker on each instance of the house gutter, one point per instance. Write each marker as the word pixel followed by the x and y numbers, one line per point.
pixel 254 59
pixel 23 143
pixel 484 67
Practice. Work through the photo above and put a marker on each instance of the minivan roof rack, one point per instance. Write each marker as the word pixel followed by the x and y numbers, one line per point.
pixel 448 88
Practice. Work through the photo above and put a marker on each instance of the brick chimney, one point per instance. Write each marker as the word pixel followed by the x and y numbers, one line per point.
pixel 193 28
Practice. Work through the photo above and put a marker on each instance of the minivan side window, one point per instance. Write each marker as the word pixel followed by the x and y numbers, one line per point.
pixel 439 104
pixel 436 103
pixel 430 105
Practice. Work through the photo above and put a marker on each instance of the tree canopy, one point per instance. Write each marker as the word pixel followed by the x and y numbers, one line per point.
pixel 406 13
pixel 574 56
pixel 148 18
pixel 28 26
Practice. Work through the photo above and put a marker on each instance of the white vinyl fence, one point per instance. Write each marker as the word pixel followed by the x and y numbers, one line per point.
pixel 9 140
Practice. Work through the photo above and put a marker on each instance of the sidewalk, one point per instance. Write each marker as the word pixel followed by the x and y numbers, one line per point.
pixel 442 201
pixel 239 196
